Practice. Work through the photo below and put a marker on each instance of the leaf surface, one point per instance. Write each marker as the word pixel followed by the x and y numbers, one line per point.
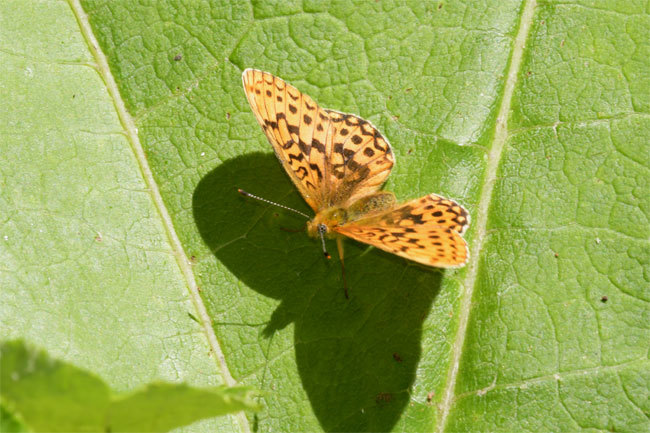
pixel 533 115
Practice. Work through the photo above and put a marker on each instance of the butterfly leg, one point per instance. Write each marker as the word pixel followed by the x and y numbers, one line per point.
pixel 301 229
pixel 339 245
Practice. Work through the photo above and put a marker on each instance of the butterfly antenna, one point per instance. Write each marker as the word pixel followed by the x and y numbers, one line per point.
pixel 248 194
pixel 322 229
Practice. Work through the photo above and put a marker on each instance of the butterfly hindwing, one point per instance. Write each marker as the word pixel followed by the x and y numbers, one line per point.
pixel 426 230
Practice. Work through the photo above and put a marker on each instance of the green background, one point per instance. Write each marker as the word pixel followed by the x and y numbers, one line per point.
pixel 120 222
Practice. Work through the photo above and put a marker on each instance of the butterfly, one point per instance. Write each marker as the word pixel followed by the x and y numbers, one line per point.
pixel 339 162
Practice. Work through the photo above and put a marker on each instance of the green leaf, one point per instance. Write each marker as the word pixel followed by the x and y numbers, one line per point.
pixel 126 133
pixel 163 406
pixel 50 395
pixel 10 422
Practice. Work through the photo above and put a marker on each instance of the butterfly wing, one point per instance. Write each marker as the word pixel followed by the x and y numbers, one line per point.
pixel 427 230
pixel 282 112
pixel 360 159
pixel 333 158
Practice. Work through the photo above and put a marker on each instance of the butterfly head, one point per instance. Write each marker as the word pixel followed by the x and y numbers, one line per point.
pixel 325 221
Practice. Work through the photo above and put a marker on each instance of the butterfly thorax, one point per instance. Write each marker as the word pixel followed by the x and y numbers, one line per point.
pixel 365 207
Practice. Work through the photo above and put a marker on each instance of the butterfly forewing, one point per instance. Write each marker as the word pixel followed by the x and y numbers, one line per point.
pixel 319 151
pixel 361 158
pixel 273 102
pixel 426 230
pixel 333 158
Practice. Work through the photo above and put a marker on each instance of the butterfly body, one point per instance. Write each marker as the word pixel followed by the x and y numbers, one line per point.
pixel 329 218
pixel 334 217
pixel 339 162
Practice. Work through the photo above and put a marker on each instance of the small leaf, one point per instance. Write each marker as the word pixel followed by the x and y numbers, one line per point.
pixel 50 395
pixel 163 406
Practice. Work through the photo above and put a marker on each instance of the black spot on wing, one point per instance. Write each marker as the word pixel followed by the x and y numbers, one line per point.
pixel 315 144
pixel 301 172
pixel 316 168
pixel 347 154
pixel 304 147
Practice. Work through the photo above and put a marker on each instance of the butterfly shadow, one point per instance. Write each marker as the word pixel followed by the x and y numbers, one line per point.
pixel 357 358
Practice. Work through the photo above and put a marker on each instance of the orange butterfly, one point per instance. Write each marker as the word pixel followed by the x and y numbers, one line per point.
pixel 338 162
